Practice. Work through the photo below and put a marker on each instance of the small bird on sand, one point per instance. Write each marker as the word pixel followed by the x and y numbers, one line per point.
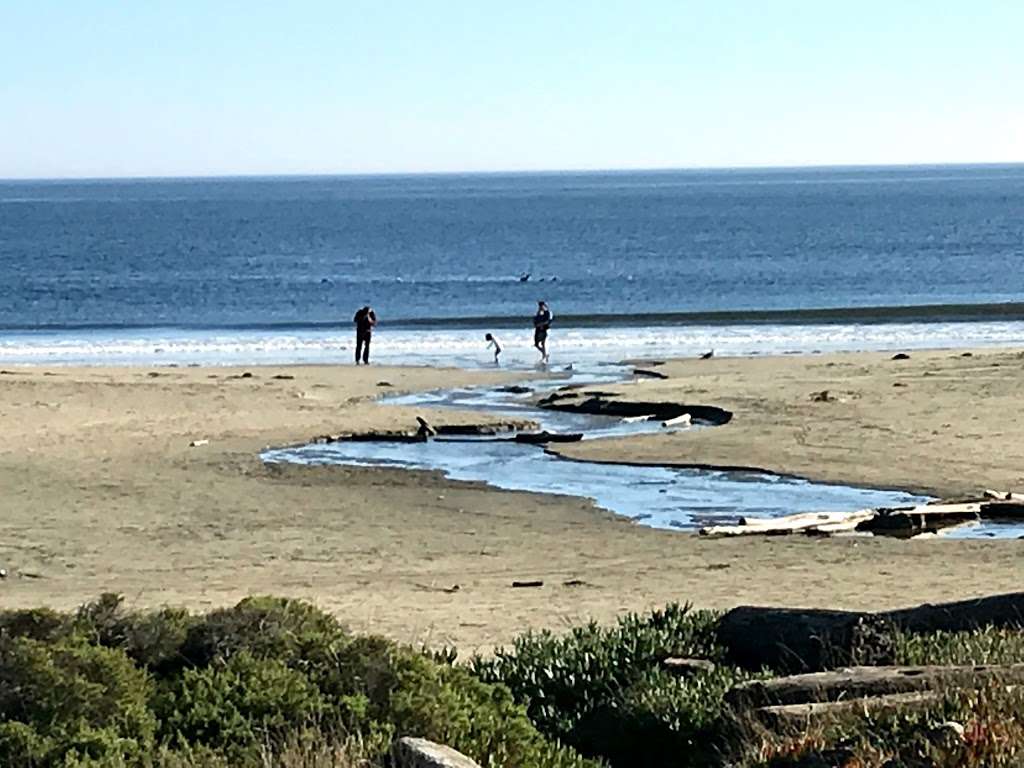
pixel 708 355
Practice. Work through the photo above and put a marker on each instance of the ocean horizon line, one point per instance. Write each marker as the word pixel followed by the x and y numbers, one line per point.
pixel 498 172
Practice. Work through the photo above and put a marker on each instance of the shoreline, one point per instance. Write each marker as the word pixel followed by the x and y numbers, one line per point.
pixel 463 346
pixel 103 493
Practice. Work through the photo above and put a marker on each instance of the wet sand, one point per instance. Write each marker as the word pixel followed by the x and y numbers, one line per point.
pixel 101 492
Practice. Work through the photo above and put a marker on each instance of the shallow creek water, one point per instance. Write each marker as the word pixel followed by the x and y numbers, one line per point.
pixel 657 496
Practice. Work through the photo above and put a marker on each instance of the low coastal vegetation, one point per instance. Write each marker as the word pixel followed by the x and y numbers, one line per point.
pixel 277 682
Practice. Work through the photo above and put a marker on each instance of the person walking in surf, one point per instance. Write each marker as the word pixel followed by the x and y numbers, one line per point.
pixel 365 320
pixel 493 342
pixel 541 325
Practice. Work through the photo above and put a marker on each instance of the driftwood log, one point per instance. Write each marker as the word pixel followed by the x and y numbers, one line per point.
pixel 904 522
pixel 806 640
pixel 802 640
pixel 961 616
pixel 867 682
pixel 786 716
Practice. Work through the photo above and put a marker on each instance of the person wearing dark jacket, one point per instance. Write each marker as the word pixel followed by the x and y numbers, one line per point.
pixel 364 320
pixel 541 326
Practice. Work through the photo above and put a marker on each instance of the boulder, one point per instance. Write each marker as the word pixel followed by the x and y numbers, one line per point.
pixel 420 753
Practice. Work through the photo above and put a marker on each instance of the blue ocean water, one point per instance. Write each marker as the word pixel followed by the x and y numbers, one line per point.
pixel 305 252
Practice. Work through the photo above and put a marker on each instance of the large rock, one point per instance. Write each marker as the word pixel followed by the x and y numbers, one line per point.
pixel 420 753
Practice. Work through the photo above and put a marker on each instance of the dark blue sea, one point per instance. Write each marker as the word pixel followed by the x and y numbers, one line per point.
pixel 220 258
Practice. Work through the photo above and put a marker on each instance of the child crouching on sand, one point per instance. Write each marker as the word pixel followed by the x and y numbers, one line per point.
pixel 493 342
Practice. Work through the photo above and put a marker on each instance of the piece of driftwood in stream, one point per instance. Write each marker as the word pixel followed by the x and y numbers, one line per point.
pixel 795 640
pixel 802 522
pixel 896 521
pixel 911 521
pixel 382 437
pixel 469 430
pixel 936 516
pixel 638 419
pixel 679 421
pixel 788 716
pixel 803 640
pixel 862 682
pixel 548 437
pixel 1007 509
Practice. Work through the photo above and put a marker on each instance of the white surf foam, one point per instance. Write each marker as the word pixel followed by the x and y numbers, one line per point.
pixel 466 347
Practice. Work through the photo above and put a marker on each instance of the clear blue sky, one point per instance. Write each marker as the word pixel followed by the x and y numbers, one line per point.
pixel 196 87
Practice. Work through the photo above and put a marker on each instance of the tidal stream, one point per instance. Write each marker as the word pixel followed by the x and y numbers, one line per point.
pixel 656 496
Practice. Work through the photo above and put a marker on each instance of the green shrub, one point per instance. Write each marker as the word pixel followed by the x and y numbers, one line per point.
pixel 22 744
pixel 236 706
pixel 384 690
pixel 35 623
pixel 70 698
pixel 981 646
pixel 153 639
pixel 269 682
pixel 660 720
pixel 291 631
pixel 564 679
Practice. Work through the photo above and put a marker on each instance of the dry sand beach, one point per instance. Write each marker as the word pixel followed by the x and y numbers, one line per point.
pixel 102 492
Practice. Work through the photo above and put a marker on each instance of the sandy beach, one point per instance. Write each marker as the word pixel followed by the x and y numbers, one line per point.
pixel 102 492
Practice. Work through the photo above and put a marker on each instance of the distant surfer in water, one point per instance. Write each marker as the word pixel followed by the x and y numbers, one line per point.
pixel 365 320
pixel 541 325
pixel 493 342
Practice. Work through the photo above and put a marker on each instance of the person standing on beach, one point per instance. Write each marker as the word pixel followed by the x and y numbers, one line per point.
pixel 365 320
pixel 541 325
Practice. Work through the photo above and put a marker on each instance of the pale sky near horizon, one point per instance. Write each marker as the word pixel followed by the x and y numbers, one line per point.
pixel 188 87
